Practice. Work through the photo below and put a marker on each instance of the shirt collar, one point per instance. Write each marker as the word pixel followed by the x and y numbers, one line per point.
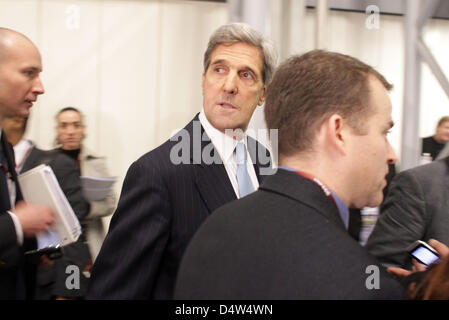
pixel 341 206
pixel 342 209
pixel 224 144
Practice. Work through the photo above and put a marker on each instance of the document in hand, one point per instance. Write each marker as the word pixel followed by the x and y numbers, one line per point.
pixel 96 188
pixel 39 186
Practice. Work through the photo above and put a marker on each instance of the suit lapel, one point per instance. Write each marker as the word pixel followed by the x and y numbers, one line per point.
pixel 4 194
pixel 211 179
pixel 9 154
pixel 214 186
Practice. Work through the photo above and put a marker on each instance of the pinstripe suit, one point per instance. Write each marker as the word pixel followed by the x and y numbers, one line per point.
pixel 160 208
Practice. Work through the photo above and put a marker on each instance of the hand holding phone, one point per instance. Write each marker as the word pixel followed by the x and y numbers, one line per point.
pixel 423 253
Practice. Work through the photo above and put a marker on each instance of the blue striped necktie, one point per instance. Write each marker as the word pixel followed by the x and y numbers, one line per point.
pixel 243 179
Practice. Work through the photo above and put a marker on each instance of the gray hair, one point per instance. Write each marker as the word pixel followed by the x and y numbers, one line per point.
pixel 241 32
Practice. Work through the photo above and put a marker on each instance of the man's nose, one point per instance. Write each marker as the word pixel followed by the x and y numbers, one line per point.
pixel 392 158
pixel 231 83
pixel 38 87
pixel 70 129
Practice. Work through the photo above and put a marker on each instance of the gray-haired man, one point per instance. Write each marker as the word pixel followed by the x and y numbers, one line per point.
pixel 170 191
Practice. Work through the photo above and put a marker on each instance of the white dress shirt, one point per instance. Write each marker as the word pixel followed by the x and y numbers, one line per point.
pixel 21 152
pixel 225 145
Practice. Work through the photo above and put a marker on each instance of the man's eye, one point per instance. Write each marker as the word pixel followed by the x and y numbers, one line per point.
pixel 247 75
pixel 219 70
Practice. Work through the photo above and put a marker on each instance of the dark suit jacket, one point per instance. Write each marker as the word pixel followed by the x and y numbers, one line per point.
pixel 285 241
pixel 161 206
pixel 416 208
pixel 430 145
pixel 51 280
pixel 12 265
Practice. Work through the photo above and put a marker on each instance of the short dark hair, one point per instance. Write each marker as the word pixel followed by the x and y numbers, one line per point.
pixel 307 89
pixel 70 109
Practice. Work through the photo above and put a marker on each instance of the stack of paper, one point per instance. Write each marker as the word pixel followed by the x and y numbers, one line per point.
pixel 40 186
pixel 96 188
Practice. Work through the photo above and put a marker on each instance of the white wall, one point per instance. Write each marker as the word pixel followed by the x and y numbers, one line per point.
pixel 134 66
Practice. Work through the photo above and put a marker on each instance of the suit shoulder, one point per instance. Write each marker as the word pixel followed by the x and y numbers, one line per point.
pixel 427 171
pixel 158 161
pixel 154 156
pixel 58 158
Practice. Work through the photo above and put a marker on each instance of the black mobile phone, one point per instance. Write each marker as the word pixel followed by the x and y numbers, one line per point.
pixel 51 252
pixel 423 252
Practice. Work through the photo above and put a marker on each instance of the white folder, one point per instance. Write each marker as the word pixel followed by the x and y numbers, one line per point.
pixel 40 186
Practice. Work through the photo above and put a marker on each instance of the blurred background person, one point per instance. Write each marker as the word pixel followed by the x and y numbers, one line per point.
pixel 434 144
pixel 70 130
pixel 416 208
pixel 51 276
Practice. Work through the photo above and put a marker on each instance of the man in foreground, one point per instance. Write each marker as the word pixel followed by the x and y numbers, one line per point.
pixel 289 239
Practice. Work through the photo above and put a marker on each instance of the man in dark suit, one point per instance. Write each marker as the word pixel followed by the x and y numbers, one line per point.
pixel 169 191
pixel 51 269
pixel 289 239
pixel 20 85
pixel 416 208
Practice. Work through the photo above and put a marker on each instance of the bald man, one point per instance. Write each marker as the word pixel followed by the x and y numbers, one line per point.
pixel 20 85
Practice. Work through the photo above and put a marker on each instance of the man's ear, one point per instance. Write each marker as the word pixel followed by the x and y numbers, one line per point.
pixel 263 96
pixel 337 132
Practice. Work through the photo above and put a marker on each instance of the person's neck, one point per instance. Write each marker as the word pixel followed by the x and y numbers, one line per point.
pixel 325 171
pixel 14 137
